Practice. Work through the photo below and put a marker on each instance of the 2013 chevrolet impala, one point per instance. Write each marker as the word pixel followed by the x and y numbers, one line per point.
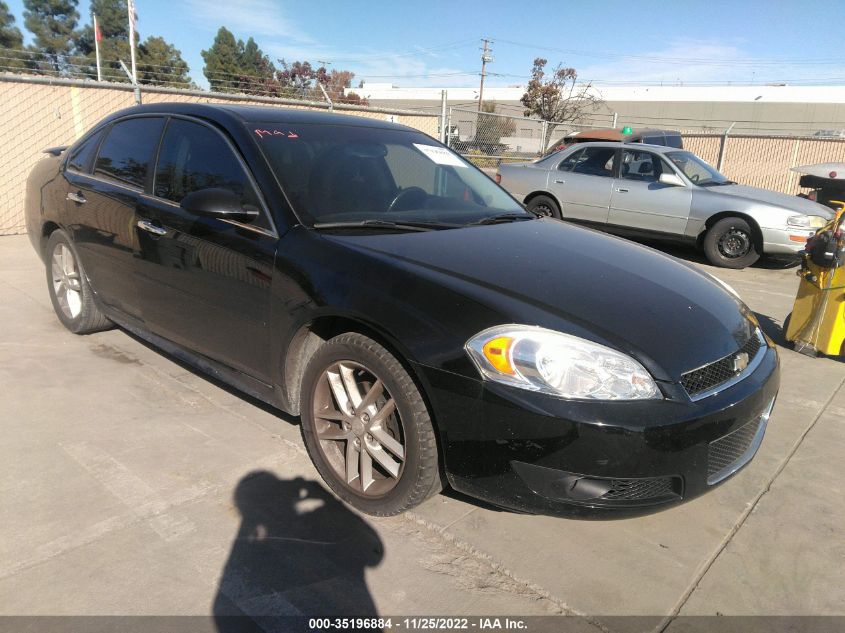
pixel 426 328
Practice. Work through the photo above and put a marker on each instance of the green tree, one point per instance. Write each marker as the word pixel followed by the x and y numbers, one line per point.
pixel 114 28
pixel 161 63
pixel 157 61
pixel 491 129
pixel 53 24
pixel 10 35
pixel 223 61
pixel 13 57
pixel 253 62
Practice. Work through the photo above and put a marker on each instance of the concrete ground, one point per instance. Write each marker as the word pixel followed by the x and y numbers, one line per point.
pixel 131 485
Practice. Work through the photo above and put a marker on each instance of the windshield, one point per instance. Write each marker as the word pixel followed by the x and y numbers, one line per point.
pixel 346 174
pixel 696 169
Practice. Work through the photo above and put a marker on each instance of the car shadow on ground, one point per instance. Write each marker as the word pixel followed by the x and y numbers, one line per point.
pixel 696 255
pixel 774 329
pixel 299 552
pixel 260 404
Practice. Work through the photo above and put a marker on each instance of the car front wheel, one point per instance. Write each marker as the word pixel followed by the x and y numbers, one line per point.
pixel 70 293
pixel 367 428
pixel 730 244
pixel 544 206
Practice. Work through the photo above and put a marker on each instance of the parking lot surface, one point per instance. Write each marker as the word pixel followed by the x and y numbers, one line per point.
pixel 132 485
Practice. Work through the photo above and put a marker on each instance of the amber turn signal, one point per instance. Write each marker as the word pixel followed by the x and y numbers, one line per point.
pixel 497 352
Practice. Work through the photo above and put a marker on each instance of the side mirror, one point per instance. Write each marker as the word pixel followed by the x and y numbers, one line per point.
pixel 673 180
pixel 218 203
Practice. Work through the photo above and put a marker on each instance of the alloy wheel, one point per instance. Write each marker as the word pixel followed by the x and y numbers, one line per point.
pixel 67 285
pixel 543 210
pixel 359 428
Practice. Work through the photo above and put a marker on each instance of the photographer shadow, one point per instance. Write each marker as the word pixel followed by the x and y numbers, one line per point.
pixel 298 552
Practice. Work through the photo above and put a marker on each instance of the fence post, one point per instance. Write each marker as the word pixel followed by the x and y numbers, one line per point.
pixel 132 81
pixel 443 116
pixel 326 95
pixel 447 124
pixel 543 133
pixel 615 119
pixel 722 147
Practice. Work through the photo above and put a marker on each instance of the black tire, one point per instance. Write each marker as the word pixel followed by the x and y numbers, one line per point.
pixel 545 206
pixel 419 477
pixel 83 317
pixel 730 243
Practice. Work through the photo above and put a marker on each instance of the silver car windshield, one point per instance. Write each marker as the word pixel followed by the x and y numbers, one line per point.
pixel 346 174
pixel 696 169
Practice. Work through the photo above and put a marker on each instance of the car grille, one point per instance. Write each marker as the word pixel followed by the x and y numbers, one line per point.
pixel 642 489
pixel 706 378
pixel 727 454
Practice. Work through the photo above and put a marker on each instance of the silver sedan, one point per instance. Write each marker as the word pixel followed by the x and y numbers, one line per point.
pixel 663 192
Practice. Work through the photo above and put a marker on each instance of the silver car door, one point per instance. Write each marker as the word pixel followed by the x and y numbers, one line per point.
pixel 582 183
pixel 641 201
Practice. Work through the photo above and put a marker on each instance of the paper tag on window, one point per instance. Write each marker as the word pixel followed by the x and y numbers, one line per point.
pixel 440 155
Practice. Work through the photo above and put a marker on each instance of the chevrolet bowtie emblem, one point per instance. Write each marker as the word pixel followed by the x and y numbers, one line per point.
pixel 740 362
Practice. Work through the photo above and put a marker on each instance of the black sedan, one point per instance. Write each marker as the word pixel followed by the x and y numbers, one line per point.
pixel 426 328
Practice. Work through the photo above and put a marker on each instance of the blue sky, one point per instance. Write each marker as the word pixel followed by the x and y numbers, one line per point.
pixel 436 43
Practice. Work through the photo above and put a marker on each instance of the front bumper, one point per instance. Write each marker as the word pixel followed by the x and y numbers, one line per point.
pixel 535 453
pixel 785 241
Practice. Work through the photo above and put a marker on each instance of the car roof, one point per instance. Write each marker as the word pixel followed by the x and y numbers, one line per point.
pixel 615 134
pixel 659 149
pixel 225 113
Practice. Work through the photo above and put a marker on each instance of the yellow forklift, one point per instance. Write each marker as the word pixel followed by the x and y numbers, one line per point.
pixel 817 323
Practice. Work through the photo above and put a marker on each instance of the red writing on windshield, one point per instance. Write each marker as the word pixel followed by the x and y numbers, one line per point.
pixel 262 133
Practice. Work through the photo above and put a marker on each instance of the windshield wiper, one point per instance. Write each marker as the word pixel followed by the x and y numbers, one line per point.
pixel 384 224
pixel 503 217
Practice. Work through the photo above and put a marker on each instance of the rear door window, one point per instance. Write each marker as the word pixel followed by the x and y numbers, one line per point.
pixel 595 161
pixel 81 158
pixel 127 152
pixel 568 163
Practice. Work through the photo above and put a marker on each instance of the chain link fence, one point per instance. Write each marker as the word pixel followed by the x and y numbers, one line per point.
pixel 37 112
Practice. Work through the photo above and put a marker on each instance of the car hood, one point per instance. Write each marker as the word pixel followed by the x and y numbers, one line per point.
pixel 755 194
pixel 660 310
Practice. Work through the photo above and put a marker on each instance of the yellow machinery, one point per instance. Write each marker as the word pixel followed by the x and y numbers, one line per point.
pixel 817 323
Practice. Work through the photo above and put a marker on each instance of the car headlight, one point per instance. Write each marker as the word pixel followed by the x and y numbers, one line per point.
pixel 806 221
pixel 538 359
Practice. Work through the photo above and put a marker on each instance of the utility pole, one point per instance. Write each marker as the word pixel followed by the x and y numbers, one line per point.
pixel 486 56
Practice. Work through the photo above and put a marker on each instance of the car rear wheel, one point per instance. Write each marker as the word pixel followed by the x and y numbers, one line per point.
pixel 730 244
pixel 544 206
pixel 367 428
pixel 70 293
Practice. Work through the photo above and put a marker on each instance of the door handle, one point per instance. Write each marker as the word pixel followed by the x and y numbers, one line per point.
pixel 560 182
pixel 78 198
pixel 622 190
pixel 149 227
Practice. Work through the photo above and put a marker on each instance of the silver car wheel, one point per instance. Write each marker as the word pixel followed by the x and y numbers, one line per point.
pixel 67 285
